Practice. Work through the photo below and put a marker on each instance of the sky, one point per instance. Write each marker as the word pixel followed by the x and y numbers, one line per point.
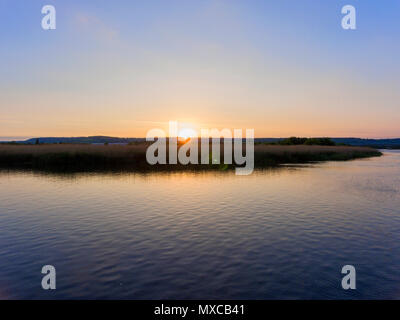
pixel 121 68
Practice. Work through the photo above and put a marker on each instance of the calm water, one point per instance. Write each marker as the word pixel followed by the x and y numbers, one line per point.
pixel 275 234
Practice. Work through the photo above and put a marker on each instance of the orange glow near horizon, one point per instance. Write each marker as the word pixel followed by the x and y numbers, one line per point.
pixel 187 133
pixel 263 129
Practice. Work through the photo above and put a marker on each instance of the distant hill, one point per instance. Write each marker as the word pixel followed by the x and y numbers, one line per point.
pixel 91 140
pixel 376 143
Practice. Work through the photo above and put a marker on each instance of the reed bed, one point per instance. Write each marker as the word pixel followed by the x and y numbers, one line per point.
pixel 87 157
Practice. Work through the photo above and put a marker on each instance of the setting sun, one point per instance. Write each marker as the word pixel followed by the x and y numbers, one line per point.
pixel 187 133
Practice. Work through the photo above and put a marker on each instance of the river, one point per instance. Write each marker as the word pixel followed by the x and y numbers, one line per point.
pixel 276 234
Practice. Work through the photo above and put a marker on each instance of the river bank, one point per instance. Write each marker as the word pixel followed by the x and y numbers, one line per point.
pixel 82 157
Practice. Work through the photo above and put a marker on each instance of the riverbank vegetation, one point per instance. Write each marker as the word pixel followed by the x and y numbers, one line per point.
pixel 294 141
pixel 86 157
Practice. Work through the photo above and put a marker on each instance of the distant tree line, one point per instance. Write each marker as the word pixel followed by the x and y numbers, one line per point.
pixel 305 141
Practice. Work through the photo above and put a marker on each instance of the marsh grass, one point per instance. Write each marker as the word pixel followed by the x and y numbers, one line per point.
pixel 82 157
pixel 275 155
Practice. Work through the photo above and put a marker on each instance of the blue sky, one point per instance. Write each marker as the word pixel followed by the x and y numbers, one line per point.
pixel 123 67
